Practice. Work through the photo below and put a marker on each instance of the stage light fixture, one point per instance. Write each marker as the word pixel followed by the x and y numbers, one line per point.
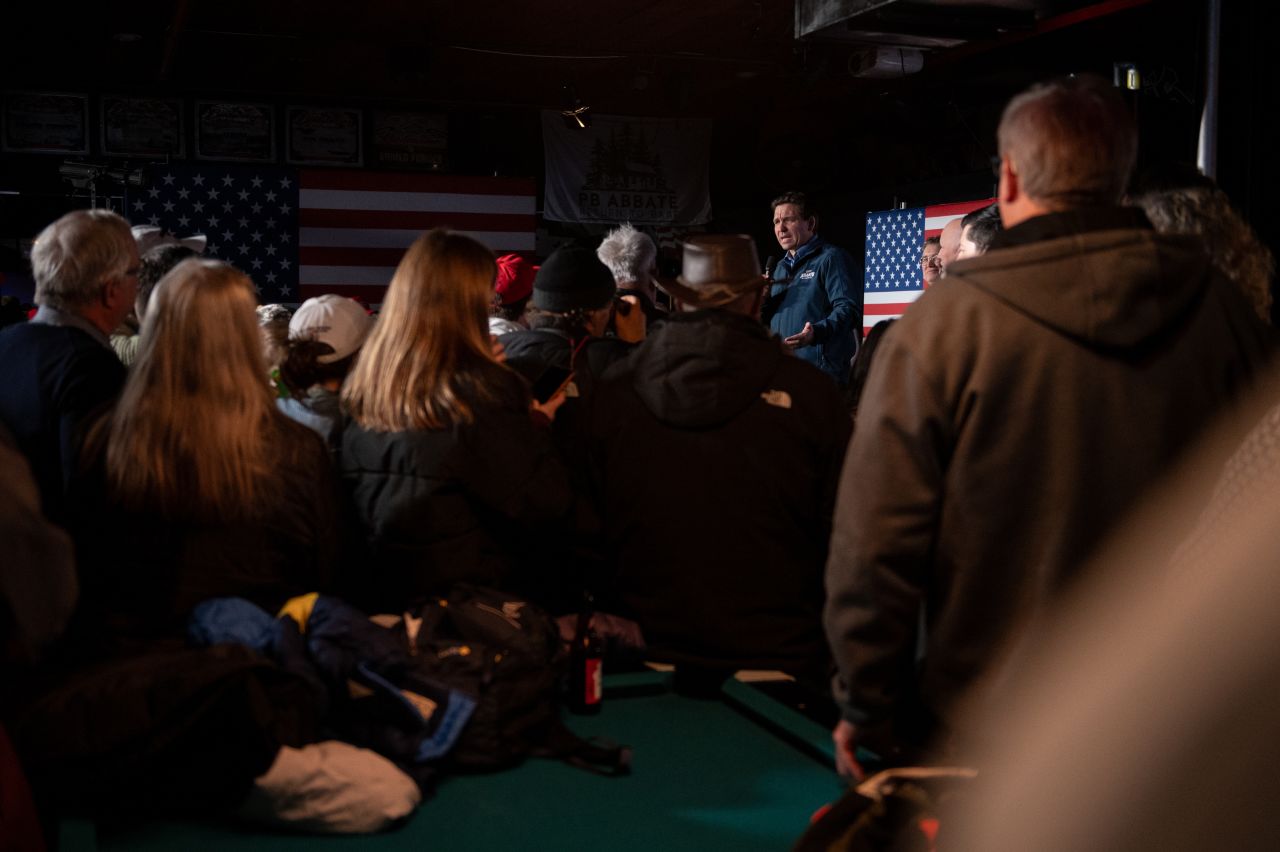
pixel 578 118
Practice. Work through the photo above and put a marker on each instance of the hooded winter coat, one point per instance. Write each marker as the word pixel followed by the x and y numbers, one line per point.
pixel 1014 415
pixel 715 456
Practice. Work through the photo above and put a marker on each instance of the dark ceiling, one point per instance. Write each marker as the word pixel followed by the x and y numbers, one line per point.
pixel 663 56
pixel 660 57
pixel 803 93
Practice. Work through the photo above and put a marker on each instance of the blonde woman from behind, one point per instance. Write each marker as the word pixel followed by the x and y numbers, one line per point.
pixel 446 463
pixel 195 486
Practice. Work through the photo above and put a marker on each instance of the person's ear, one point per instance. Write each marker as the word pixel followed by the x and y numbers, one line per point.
pixel 112 292
pixel 1009 188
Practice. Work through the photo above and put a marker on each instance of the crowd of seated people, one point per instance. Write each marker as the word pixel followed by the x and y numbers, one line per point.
pixel 683 469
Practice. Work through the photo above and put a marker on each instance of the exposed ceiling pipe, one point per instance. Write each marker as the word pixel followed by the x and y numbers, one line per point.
pixel 1048 25
pixel 176 26
pixel 1207 151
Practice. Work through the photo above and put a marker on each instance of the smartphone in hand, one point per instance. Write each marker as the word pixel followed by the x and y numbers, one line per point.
pixel 551 382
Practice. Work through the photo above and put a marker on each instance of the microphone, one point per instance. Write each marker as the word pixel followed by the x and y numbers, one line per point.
pixel 769 303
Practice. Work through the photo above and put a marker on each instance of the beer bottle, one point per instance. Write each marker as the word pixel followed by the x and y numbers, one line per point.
pixel 586 666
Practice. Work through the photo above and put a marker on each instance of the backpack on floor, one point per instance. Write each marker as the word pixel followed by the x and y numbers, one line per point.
pixel 507 653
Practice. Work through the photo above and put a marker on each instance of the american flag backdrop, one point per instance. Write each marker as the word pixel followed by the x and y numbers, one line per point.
pixel 892 278
pixel 302 232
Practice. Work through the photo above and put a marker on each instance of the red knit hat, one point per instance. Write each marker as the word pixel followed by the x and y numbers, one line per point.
pixel 515 278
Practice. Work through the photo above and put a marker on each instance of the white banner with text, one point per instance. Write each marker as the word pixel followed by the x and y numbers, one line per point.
pixel 649 171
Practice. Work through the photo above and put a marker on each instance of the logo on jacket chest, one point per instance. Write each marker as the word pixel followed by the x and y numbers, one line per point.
pixel 807 274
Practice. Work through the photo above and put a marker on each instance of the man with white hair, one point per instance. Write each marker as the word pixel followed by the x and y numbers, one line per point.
pixel 1015 415
pixel 632 257
pixel 59 368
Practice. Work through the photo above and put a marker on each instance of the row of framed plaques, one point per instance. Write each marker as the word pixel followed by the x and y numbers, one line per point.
pixel 58 123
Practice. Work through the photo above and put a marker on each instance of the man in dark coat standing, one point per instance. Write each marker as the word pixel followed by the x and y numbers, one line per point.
pixel 814 302
pixel 59 368
pixel 1015 415
pixel 715 456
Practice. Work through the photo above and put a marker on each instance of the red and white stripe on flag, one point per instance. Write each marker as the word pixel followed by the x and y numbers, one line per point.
pixel 895 239
pixel 936 216
pixel 354 226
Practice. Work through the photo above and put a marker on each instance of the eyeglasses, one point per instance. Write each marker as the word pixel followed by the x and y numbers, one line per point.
pixel 928 259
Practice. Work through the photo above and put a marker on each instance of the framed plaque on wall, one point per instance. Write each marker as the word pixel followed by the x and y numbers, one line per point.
pixel 409 140
pixel 235 131
pixel 142 127
pixel 46 122
pixel 324 136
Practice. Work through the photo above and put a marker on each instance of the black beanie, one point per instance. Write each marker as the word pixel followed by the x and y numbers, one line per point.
pixel 572 278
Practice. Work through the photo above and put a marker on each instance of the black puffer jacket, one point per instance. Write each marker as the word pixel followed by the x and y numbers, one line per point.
pixel 433 507
pixel 715 456
pixel 531 351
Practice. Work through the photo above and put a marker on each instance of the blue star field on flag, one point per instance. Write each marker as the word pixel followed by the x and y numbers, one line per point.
pixel 895 240
pixel 248 213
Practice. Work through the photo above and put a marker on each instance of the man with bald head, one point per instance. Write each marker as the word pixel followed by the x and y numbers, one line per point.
pixel 1014 415
pixel 949 243
pixel 59 368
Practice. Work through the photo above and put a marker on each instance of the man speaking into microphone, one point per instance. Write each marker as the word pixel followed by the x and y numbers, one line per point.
pixel 812 304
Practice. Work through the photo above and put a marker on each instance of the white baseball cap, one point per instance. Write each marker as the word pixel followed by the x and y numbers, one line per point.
pixel 152 236
pixel 332 319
